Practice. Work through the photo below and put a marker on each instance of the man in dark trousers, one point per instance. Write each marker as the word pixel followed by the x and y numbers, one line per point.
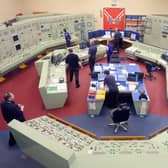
pixel 117 40
pixel 11 110
pixel 112 93
pixel 73 64
pixel 92 55
pixel 109 50
pixel 67 38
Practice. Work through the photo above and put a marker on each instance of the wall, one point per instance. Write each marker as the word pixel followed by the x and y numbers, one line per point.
pixel 96 6
pixel 9 8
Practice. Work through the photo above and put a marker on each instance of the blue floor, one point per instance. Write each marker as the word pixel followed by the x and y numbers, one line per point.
pixel 11 156
pixel 136 126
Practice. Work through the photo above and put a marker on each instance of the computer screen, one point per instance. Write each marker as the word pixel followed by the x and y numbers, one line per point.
pixel 122 34
pixel 131 77
pixel 100 76
pixel 133 36
pixel 139 76
pixel 121 77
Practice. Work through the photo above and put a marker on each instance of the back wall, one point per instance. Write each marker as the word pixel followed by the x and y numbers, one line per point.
pixel 95 7
pixel 9 8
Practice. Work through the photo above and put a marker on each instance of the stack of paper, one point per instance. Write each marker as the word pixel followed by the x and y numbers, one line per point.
pixel 100 94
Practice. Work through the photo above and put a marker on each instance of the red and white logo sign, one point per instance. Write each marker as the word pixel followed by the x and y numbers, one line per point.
pixel 114 18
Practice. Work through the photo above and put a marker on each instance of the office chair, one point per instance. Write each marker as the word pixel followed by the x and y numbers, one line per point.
pixel 150 68
pixel 111 99
pixel 114 57
pixel 120 116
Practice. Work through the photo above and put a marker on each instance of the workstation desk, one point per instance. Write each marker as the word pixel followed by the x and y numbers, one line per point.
pixel 96 95
pixel 81 52
pixel 126 42
pixel 55 143
pixel 53 82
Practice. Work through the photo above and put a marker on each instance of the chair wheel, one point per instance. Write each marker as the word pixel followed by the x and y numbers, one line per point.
pixel 125 129
pixel 115 130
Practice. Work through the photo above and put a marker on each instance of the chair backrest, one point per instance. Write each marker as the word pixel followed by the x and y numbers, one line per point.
pixel 148 66
pixel 121 114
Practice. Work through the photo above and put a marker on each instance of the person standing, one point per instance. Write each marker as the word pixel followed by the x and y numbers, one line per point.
pixel 73 63
pixel 112 93
pixel 67 38
pixel 92 55
pixel 117 40
pixel 109 50
pixel 11 110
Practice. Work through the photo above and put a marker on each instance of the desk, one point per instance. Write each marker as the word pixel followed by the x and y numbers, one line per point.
pixel 103 40
pixel 82 53
pixel 59 144
pixel 149 53
pixel 96 93
pixel 53 84
pixel 53 92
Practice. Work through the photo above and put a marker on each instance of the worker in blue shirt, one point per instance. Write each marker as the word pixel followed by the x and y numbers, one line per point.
pixel 92 55
pixel 117 39
pixel 112 93
pixel 109 50
pixel 73 63
pixel 67 38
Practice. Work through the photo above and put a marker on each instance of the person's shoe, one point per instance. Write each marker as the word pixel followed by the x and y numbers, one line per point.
pixel 24 157
pixel 77 86
pixel 12 143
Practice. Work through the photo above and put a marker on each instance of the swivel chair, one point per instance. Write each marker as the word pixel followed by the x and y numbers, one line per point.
pixel 120 116
pixel 114 57
pixel 150 68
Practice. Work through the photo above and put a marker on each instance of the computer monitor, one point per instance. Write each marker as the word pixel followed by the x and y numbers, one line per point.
pixel 133 36
pixel 100 77
pixel 139 76
pixel 131 77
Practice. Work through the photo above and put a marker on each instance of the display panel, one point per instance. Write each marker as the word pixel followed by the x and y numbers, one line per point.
pixel 15 38
pixel 18 47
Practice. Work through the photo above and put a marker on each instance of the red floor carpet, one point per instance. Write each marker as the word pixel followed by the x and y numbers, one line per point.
pixel 24 84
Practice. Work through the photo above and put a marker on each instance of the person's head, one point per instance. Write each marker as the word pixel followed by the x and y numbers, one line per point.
pixel 106 73
pixel 64 30
pixel 70 50
pixel 116 29
pixel 142 91
pixel 92 42
pixel 8 96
